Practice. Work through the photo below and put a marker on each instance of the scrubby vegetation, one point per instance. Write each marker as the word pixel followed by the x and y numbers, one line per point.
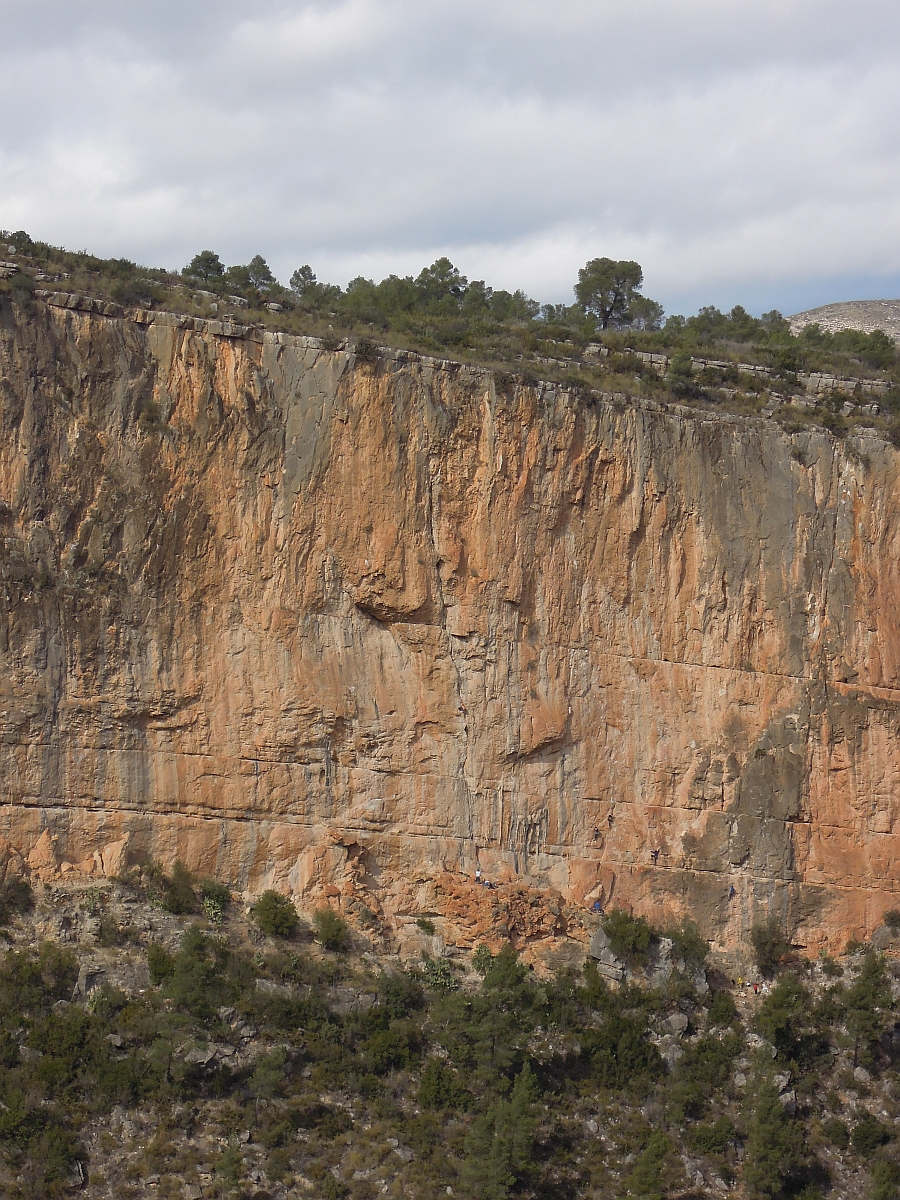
pixel 260 1064
pixel 15 897
pixel 769 946
pixel 331 929
pixel 275 914
pixel 604 342
pixel 629 937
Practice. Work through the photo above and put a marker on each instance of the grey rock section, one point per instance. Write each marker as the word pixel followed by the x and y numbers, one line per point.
pixel 661 964
pixel 608 965
pixel 90 978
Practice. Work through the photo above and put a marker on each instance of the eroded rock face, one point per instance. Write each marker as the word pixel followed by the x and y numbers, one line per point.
pixel 341 626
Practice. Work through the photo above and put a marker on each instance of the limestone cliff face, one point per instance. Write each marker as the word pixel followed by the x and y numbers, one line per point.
pixel 348 626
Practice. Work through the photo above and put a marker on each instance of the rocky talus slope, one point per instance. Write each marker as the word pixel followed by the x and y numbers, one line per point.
pixel 193 1057
pixel 344 625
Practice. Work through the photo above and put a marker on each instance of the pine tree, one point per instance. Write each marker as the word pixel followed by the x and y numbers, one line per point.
pixel 498 1149
pixel 866 1002
pixel 769 1146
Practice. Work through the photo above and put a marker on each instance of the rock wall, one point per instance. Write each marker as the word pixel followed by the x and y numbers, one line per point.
pixel 343 626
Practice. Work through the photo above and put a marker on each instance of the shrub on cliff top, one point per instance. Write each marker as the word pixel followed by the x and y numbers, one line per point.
pixel 275 914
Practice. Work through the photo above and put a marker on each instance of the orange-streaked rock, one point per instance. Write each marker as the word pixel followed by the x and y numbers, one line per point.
pixel 348 629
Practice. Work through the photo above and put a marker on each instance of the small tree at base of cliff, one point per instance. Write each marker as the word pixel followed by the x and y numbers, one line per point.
pixel 275 914
pixel 769 946
pixel 629 937
pixel 215 898
pixel 482 959
pixel 331 930
pixel 786 1018
pixel 179 896
pixel 689 944
pixel 15 897
pixel 722 1010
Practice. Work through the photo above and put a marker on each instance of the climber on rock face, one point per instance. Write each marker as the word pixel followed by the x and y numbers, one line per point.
pixel 654 854
pixel 732 892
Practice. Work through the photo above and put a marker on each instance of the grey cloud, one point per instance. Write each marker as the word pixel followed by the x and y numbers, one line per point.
pixel 740 149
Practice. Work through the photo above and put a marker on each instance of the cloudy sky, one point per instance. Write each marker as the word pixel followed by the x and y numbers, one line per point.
pixel 744 151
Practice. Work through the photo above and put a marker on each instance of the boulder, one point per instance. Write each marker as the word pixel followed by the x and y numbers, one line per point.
pixel 89 979
pixel 270 988
pixel 200 1055
pixel 661 963
pixel 670 1050
pixel 346 1000
pixel 788 1101
pixel 677 1023
pixel 883 937
pixel 608 965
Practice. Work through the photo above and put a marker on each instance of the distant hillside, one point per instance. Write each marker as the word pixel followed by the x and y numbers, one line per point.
pixel 864 315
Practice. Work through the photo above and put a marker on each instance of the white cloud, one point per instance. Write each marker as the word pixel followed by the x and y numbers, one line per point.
pixel 738 149
pixel 319 35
